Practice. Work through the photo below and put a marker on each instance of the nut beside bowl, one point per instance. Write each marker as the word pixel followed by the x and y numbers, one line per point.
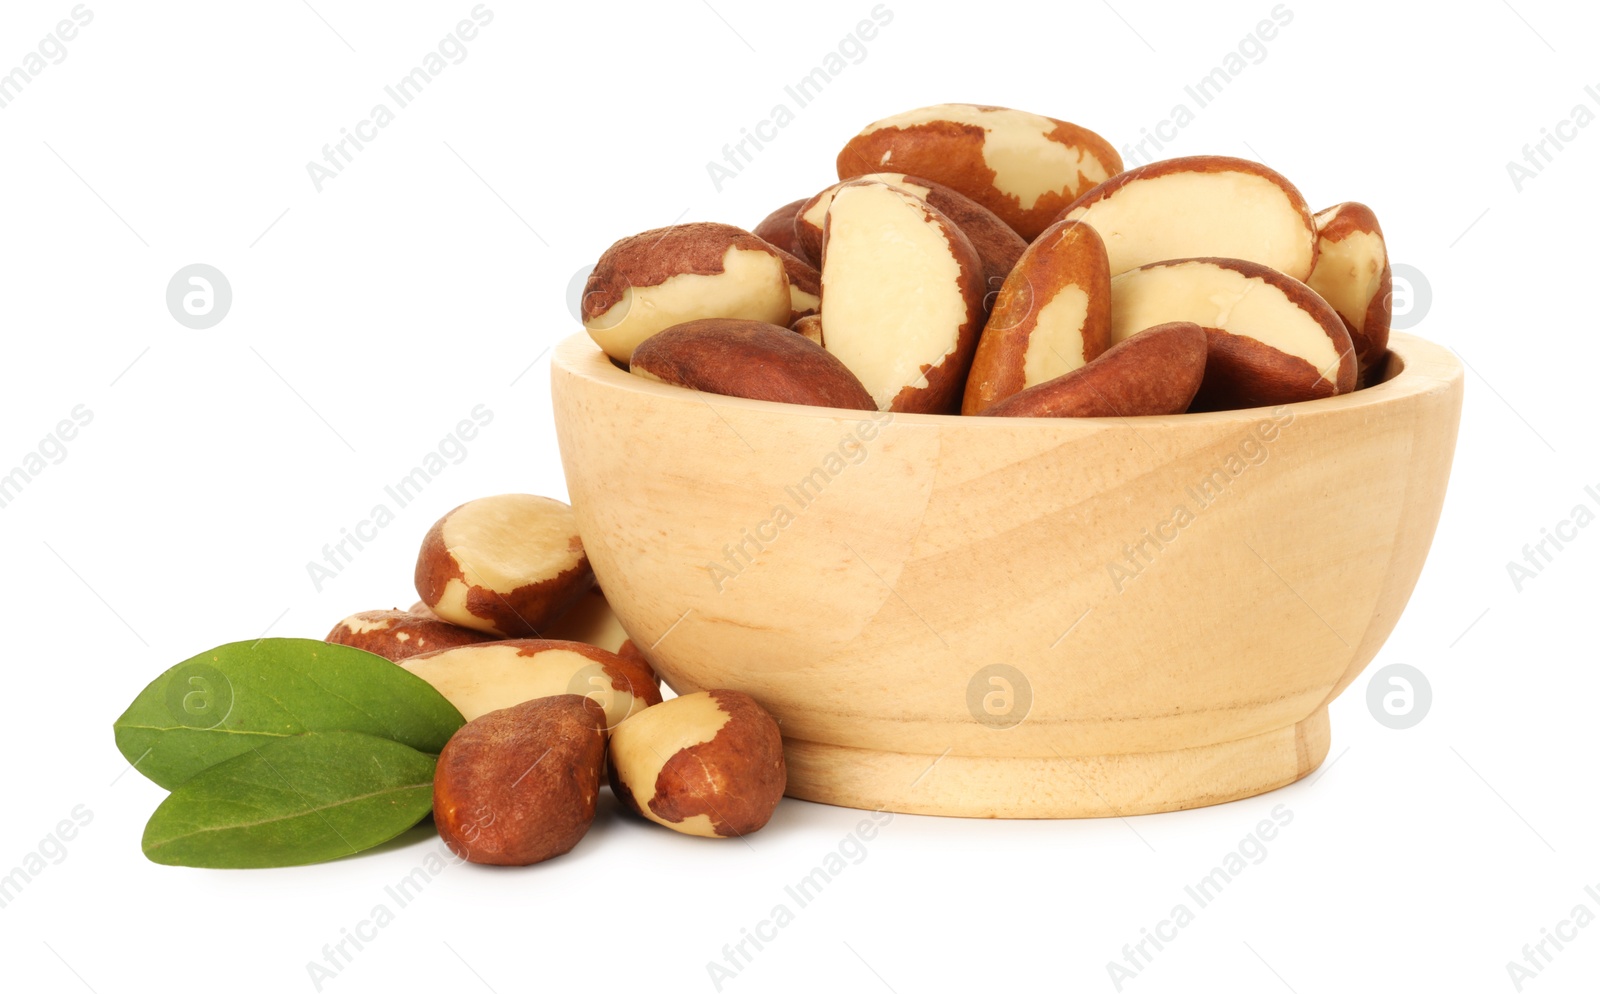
pixel 1014 617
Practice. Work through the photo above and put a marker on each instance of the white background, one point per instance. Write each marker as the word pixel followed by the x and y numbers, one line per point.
pixel 432 276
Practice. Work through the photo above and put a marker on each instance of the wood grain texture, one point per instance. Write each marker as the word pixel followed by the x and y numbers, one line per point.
pixel 856 573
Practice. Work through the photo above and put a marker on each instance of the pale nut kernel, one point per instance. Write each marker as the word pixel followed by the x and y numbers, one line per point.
pixel 506 565
pixel 478 679
pixel 656 279
pixel 707 764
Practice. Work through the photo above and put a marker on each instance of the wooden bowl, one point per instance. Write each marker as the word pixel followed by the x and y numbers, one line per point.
pixel 1016 618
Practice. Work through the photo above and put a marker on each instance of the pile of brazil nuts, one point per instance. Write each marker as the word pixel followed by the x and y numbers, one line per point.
pixel 513 632
pixel 987 261
pixel 970 260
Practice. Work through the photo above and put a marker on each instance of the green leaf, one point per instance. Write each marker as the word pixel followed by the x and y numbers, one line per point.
pixel 293 801
pixel 243 695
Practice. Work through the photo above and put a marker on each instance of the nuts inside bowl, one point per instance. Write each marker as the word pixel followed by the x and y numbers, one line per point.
pixel 1272 339
pixel 750 359
pixel 1051 316
pixel 1201 205
pixel 998 246
pixel 1024 167
pixel 1352 274
pixel 970 253
pixel 1158 371
pixel 902 291
pixel 656 279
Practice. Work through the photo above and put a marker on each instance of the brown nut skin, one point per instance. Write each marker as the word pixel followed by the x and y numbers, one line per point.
pixel 1242 373
pixel 1272 339
pixel 946 143
pixel 632 673
pixel 479 679
pixel 777 229
pixel 631 652
pixel 397 635
pixel 708 764
pixel 589 620
pixel 876 276
pixel 805 285
pixel 998 246
pixel 1201 206
pixel 467 593
pixel 665 276
pixel 1377 372
pixel 810 327
pixel 750 359
pixel 518 786
pixel 1017 350
pixel 1353 274
pixel 1157 371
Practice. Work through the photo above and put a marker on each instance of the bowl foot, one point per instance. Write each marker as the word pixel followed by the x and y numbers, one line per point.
pixel 1056 787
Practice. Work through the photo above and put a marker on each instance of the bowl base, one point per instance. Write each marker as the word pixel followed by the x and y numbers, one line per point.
pixel 1056 786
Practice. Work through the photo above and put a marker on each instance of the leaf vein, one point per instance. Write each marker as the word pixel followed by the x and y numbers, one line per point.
pixel 292 815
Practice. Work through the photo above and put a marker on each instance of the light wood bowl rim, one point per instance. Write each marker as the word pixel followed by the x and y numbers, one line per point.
pixel 1426 367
